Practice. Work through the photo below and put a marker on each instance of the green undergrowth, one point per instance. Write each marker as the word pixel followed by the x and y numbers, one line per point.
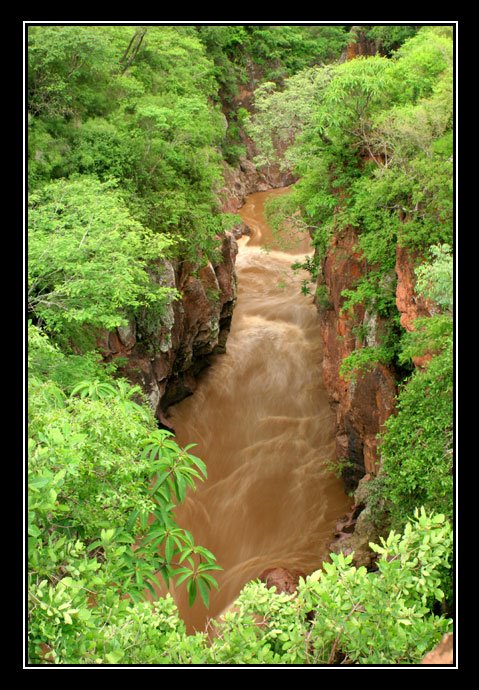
pixel 339 615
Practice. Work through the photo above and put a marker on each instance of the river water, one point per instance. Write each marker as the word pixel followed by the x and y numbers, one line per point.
pixel 261 418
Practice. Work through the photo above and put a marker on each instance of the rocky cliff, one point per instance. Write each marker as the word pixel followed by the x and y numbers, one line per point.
pixel 409 304
pixel 359 45
pixel 165 360
pixel 361 406
pixel 245 178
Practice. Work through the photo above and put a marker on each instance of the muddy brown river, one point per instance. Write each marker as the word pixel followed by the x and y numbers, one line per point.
pixel 261 418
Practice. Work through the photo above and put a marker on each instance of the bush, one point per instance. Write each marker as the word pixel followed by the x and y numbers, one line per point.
pixel 88 258
pixel 103 483
pixel 341 614
pixel 416 449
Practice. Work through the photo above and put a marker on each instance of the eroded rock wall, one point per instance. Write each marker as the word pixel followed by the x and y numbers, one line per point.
pixel 409 304
pixel 165 362
pixel 361 406
pixel 246 179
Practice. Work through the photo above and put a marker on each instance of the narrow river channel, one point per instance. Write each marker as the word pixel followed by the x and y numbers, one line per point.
pixel 264 427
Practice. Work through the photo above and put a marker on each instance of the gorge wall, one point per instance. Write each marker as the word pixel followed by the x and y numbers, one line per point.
pixel 245 178
pixel 166 361
pixel 362 406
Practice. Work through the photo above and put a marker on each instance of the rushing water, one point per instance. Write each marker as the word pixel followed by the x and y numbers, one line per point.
pixel 261 418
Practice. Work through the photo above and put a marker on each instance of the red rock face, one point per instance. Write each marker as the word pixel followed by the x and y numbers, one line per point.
pixel 364 406
pixel 246 179
pixel 410 305
pixel 284 580
pixel 165 363
pixel 361 46
pixel 361 407
pixel 443 653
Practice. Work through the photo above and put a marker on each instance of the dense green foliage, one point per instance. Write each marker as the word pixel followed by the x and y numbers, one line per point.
pixel 139 113
pixel 387 37
pixel 240 53
pixel 378 133
pixel 340 614
pixel 417 447
pixel 127 137
pixel 102 479
pixel 88 258
pixel 344 614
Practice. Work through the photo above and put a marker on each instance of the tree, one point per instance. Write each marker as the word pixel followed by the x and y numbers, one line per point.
pixel 88 259
pixel 68 70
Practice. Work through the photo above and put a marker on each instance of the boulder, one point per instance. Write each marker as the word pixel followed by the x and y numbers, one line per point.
pixel 127 334
pixel 443 653
pixel 284 580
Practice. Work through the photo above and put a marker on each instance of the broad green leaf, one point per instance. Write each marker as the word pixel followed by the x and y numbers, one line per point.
pixel 191 587
pixel 169 548
pixel 204 591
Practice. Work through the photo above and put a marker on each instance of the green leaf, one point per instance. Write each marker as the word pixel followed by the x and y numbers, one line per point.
pixel 209 566
pixel 183 577
pixel 151 588
pixel 199 463
pixel 210 580
pixel 165 573
pixel 204 591
pixel 180 488
pixel 115 656
pixel 38 482
pixel 191 587
pixel 169 548
pixel 84 614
